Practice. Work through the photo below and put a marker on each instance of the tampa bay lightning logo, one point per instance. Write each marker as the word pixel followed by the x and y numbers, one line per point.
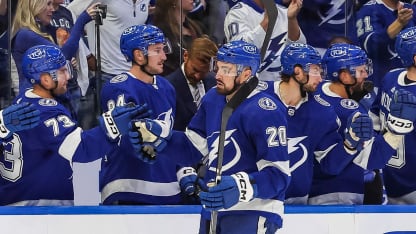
pixel 119 78
pixel 335 14
pixel 230 145
pixel 47 102
pixel 143 7
pixel 267 104
pixel 349 104
pixel 275 46
pixel 298 153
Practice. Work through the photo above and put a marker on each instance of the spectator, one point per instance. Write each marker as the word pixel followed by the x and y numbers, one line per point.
pixel 192 80
pixel 29 29
pixel 378 23
pixel 49 149
pixel 171 17
pixel 120 15
pixel 248 21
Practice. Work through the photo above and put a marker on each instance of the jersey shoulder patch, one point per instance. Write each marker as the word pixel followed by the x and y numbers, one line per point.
pixel 47 102
pixel 321 101
pixel 119 78
pixel 349 104
pixel 267 103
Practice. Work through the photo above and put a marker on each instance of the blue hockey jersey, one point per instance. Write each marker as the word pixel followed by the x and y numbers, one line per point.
pixel 399 174
pixel 348 186
pixel 312 136
pixel 35 164
pixel 124 177
pixel 373 20
pixel 321 20
pixel 255 142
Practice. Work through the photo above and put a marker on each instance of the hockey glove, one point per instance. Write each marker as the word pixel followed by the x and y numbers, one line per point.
pixel 116 122
pixel 153 133
pixel 402 112
pixel 231 190
pixel 18 117
pixel 358 130
pixel 143 150
pixel 187 178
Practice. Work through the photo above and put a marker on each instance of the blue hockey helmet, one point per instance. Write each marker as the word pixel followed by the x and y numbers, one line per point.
pixel 344 56
pixel 241 53
pixel 140 37
pixel 42 59
pixel 406 46
pixel 298 54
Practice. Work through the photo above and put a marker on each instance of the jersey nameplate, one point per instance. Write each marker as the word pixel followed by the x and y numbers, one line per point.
pixel 321 101
pixel 262 85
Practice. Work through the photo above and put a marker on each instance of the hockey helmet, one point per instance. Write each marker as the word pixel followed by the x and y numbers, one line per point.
pixel 141 37
pixel 406 46
pixel 42 59
pixel 344 56
pixel 298 54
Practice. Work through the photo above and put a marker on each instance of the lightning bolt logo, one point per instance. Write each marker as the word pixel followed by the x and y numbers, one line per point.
pixel 275 45
pixel 213 153
pixel 337 7
pixel 293 145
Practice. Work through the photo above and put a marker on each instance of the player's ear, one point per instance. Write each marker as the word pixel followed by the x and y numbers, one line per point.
pixel 46 80
pixel 139 57
pixel 298 72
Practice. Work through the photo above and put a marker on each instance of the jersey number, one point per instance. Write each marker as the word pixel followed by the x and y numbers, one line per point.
pixel 12 167
pixel 363 26
pixel 276 135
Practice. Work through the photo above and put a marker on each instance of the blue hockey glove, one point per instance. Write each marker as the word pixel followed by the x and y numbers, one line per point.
pixel 153 133
pixel 187 178
pixel 146 153
pixel 358 130
pixel 402 112
pixel 231 190
pixel 18 117
pixel 116 122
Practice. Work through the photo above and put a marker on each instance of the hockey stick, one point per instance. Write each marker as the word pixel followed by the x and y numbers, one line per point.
pixel 270 5
pixel 234 102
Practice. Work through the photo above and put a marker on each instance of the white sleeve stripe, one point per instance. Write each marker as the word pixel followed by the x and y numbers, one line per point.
pixel 70 144
pixel 283 166
pixel 199 142
pixel 319 155
pixel 362 158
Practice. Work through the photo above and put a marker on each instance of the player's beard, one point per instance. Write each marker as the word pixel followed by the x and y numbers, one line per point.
pixel 358 91
pixel 226 90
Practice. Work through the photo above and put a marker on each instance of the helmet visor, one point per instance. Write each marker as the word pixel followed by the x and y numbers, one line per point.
pixel 222 68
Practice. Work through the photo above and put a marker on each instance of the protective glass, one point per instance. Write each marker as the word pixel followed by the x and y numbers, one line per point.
pixel 314 70
pixel 166 49
pixel 222 68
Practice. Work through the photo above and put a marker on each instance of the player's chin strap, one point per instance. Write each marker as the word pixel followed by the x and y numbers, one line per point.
pixel 231 105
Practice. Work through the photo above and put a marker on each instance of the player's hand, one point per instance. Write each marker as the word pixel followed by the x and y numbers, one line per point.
pixel 294 8
pixel 18 117
pixel 231 190
pixel 358 130
pixel 152 133
pixel 188 179
pixel 402 112
pixel 116 122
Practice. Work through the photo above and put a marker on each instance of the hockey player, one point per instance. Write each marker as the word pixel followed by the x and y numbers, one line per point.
pixel 312 123
pixel 397 112
pixel 125 178
pixel 348 68
pixel 255 170
pixel 18 117
pixel 248 21
pixel 35 164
